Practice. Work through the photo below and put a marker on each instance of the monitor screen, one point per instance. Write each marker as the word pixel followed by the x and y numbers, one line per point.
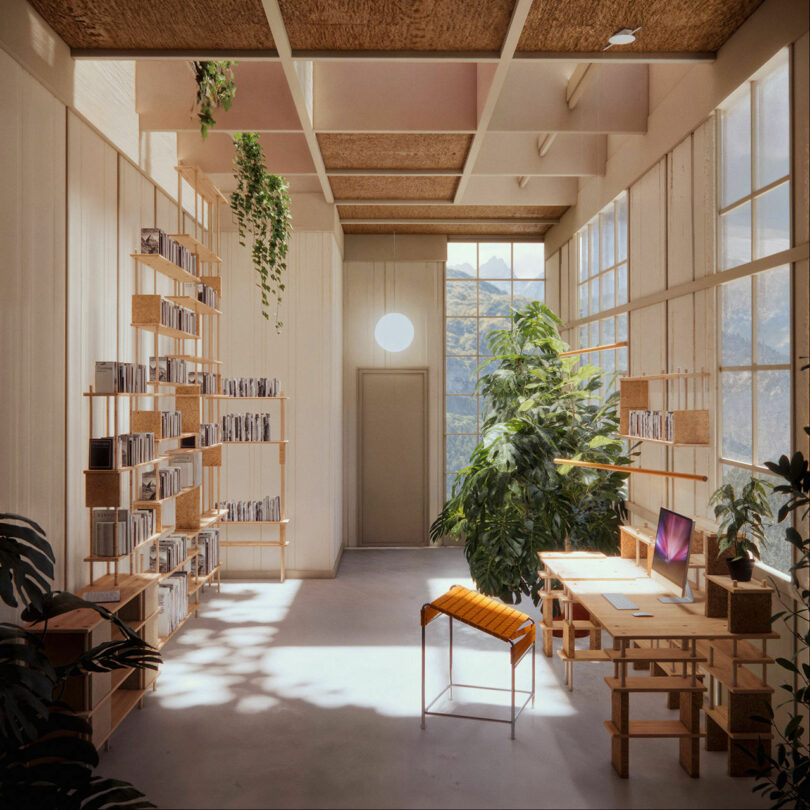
pixel 672 542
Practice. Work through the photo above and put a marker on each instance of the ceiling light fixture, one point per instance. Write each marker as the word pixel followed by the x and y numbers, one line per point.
pixel 624 36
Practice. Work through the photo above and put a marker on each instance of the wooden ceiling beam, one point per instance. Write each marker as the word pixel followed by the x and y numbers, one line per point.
pixel 448 221
pixel 616 57
pixel 494 58
pixel 185 54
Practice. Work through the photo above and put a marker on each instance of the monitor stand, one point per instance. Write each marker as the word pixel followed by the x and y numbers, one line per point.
pixel 687 598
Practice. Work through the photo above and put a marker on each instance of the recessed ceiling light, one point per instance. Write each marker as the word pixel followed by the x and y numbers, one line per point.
pixel 624 36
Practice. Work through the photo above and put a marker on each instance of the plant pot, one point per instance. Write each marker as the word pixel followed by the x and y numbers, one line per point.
pixel 577 613
pixel 741 569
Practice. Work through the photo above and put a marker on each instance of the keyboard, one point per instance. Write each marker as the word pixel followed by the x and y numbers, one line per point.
pixel 620 601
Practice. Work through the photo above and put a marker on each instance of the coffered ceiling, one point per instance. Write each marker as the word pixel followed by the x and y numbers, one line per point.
pixel 431 116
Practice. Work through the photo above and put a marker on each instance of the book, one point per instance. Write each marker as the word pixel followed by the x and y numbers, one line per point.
pixel 102 454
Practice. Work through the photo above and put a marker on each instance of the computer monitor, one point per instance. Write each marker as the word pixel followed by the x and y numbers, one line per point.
pixel 670 565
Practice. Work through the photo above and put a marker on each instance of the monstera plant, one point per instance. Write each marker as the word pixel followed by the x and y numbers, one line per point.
pixel 512 500
pixel 46 757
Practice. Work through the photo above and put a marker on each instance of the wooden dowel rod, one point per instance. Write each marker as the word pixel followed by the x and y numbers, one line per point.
pixel 604 348
pixel 619 468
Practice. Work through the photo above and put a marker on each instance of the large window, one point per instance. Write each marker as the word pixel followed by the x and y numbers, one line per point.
pixel 755 310
pixel 602 281
pixel 484 282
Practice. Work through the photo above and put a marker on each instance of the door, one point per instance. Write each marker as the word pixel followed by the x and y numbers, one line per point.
pixel 392 457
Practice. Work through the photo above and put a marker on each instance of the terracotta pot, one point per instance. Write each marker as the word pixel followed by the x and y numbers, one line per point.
pixel 741 569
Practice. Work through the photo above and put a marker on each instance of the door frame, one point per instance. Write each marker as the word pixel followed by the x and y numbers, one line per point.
pixel 423 372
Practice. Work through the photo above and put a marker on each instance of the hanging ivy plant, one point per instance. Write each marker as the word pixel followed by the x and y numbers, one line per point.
pixel 261 204
pixel 215 88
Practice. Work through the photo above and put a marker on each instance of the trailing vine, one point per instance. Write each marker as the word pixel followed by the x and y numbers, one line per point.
pixel 215 88
pixel 261 204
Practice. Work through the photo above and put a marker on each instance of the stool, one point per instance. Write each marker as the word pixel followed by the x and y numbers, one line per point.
pixel 494 619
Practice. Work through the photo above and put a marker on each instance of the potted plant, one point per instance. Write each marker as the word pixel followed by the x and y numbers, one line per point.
pixel 741 524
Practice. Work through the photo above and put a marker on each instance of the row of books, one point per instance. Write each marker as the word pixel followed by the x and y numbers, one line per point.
pixel 651 424
pixel 177 317
pixel 207 295
pixel 133 527
pixel 173 601
pixel 209 434
pixel 170 424
pixel 208 551
pixel 154 240
pixel 248 427
pixel 269 508
pixel 170 552
pixel 168 369
pixel 161 483
pixel 130 449
pixel 113 377
pixel 251 387
pixel 207 381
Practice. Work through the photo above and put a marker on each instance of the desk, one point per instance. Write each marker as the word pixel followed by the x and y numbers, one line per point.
pixel 674 643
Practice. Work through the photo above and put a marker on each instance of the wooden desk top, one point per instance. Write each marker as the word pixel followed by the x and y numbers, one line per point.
pixel 595 566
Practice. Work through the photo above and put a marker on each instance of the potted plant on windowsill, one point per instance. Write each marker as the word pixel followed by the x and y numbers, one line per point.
pixel 741 524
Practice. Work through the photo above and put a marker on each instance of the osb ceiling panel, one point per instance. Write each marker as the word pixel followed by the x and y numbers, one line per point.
pixel 346 187
pixel 394 151
pixel 666 25
pixel 155 24
pixel 396 25
pixel 509 212
pixel 508 229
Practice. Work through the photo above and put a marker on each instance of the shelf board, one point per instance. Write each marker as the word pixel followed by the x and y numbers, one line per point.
pixel 191 358
pixel 653 729
pixel 200 182
pixel 164 575
pixel 226 396
pixel 123 701
pixel 662 441
pixel 192 303
pixel 166 267
pixel 193 245
pixel 178 436
pixel 131 467
pixel 166 331
pixel 127 394
pixel 137 547
pixel 162 640
pixel 720 716
pixel 147 504
pixel 274 441
pixel 254 543
pixel 254 522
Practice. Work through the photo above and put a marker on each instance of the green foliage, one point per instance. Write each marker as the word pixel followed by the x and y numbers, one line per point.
pixel 512 501
pixel 215 88
pixel 784 775
pixel 46 757
pixel 261 205
pixel 741 514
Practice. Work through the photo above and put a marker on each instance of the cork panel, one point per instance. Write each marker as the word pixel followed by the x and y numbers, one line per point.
pixel 106 488
pixel 156 24
pixel 634 394
pixel 147 422
pixel 749 612
pixel 508 212
pixel 212 456
pixel 666 25
pixel 393 188
pixel 510 229
pixel 743 707
pixel 343 150
pixel 391 25
pixel 690 427
pixel 187 507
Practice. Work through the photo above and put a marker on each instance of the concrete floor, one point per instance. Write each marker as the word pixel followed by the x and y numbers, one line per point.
pixel 307 694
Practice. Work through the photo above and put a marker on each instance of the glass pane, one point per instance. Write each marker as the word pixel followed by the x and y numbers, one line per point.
pixel 461 334
pixel 485 326
pixel 449 489
pixel 735 125
pixel 772 221
pixel 461 415
pixel 527 291
pixel 773 127
pixel 583 337
pixel 582 238
pixel 494 297
pixel 735 237
pixel 583 300
pixel 621 360
pixel 458 450
pixel 621 292
pixel 736 403
pixel 773 315
pixel 593 337
pixel 593 249
pixel 621 228
pixel 459 375
pixel 773 415
pixel 606 225
pixel 494 260
pixel 735 328
pixel 594 295
pixel 777 551
pixel 460 298
pixel 621 326
pixel 528 258
pixel 608 331
pixel 486 367
pixel 461 259
pixel 608 283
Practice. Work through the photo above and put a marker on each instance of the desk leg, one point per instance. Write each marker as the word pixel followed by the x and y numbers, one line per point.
pixel 620 742
pixel 423 676
pixel 690 746
pixel 451 656
pixel 548 618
